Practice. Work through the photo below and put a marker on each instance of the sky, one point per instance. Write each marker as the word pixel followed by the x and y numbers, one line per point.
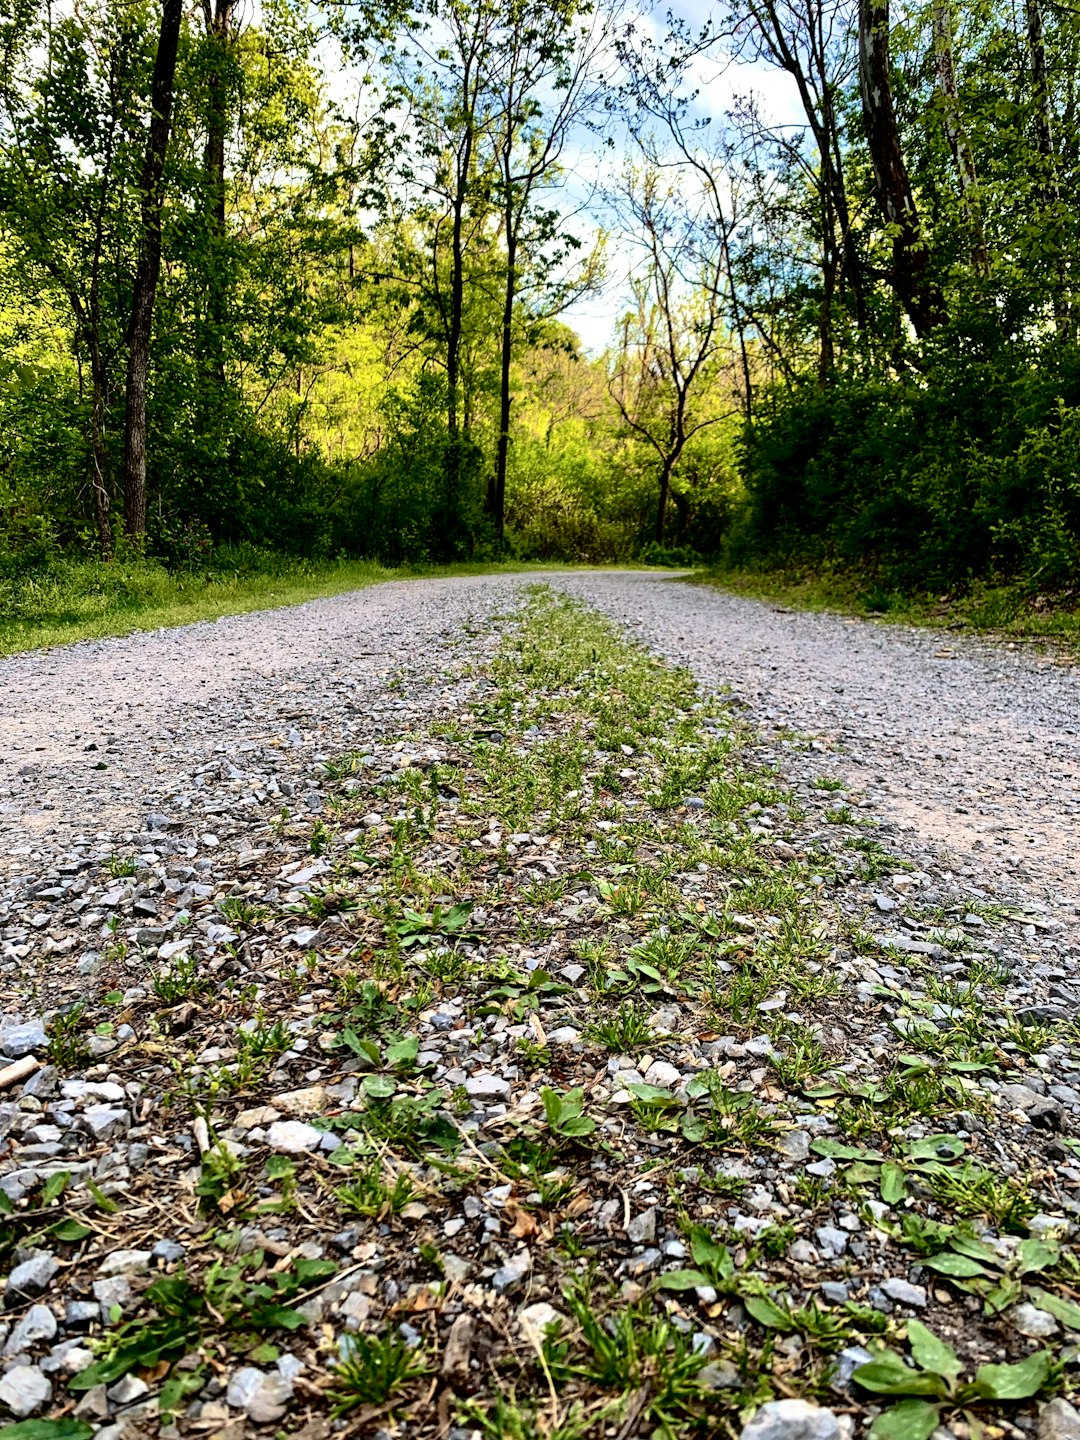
pixel 717 83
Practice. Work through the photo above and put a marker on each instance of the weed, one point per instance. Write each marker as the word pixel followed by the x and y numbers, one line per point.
pixel 375 1193
pixel 121 867
pixel 374 1370
pixel 68 1046
pixel 624 1032
pixel 181 981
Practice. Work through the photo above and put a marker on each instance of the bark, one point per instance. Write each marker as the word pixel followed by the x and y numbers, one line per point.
pixel 963 160
pixel 910 277
pixel 665 489
pixel 218 24
pixel 152 187
pixel 498 497
pixel 1048 187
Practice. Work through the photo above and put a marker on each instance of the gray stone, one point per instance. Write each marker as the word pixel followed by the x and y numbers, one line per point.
pixel 104 1122
pixel 19 1039
pixel 831 1241
pixel 169 1250
pixel 1058 1420
pixel 1034 1322
pixel 24 1390
pixel 293 1137
pixel 1043 1111
pixel 794 1145
pixel 487 1087
pixel 39 1323
pixel 792 1420
pixel 904 1293
pixel 125 1262
pixel 642 1228
pixel 263 1398
pixel 80 1314
pixel 30 1279
pixel 509 1276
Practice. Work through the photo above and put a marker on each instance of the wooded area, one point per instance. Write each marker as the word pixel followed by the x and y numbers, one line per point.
pixel 299 282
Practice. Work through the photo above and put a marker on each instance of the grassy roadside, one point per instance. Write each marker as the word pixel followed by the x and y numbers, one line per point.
pixel 1008 610
pixel 89 600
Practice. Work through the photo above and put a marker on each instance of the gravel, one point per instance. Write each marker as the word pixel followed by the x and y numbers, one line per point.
pixel 964 761
pixel 969 744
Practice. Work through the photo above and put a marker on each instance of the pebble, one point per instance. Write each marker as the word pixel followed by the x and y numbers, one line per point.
pixel 791 1420
pixel 39 1323
pixel 293 1137
pixel 24 1390
pixel 904 1293
pixel 1058 1420
pixel 30 1278
pixel 508 1277
pixel 1029 1320
pixel 263 1397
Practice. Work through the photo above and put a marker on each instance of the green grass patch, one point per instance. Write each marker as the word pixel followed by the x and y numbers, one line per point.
pixel 1009 609
pixel 87 599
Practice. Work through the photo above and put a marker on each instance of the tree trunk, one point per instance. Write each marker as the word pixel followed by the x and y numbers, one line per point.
pixel 98 454
pixel 152 187
pixel 1048 189
pixel 963 159
pixel 665 490
pixel 498 507
pixel 218 22
pixel 910 278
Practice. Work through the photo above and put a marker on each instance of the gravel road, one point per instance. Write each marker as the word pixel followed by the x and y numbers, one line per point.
pixel 969 747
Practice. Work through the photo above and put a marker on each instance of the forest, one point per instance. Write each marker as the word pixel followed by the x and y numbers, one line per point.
pixel 303 279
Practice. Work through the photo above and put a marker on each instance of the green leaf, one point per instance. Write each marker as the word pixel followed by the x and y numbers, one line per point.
pixel 936 1147
pixel 576 1126
pixel 975 1249
pixel 960 1267
pixel 70 1231
pixel 281 1316
pixel 54 1186
pixel 104 1203
pixel 888 1374
pixel 930 1353
pixel 1014 1382
pixel 766 1312
pixel 176 1389
pixel 835 1150
pixel 907 1420
pixel 656 1097
pixel 893 1183
pixel 379 1087
pixel 308 1271
pixel 709 1253
pixel 403 1052
pixel 694 1127
pixel 1036 1255
pixel 1067 1311
pixel 47 1430
pixel 682 1280
pixel 6 1207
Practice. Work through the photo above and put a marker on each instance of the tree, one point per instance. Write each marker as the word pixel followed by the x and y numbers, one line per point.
pixel 545 79
pixel 911 276
pixel 152 188
pixel 672 344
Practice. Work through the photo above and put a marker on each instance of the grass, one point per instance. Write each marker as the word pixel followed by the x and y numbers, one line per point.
pixel 87 600
pixel 1009 609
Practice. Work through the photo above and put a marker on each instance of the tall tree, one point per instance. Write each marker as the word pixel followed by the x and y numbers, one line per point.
pixel 911 276
pixel 673 341
pixel 544 79
pixel 152 189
